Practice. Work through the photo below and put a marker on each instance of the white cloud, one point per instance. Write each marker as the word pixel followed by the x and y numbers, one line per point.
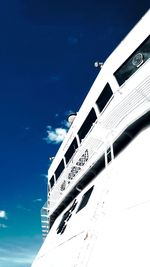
pixel 3 214
pixel 20 257
pixel 55 136
pixel 44 175
pixel 21 207
pixel 38 200
pixel 72 40
pixel 27 128
pixel 66 123
pixel 20 253
pixel 2 225
pixel 54 77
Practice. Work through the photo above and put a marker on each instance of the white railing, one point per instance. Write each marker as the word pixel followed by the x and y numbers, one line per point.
pixel 75 169
pixel 45 220
pixel 114 121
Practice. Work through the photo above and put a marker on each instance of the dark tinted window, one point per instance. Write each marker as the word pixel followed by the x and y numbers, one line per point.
pixel 104 97
pixel 71 150
pixel 86 126
pixel 66 217
pixel 52 181
pixel 85 199
pixel 109 155
pixel 133 63
pixel 59 169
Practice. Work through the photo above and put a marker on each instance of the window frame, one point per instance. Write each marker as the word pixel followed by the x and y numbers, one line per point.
pixel 104 97
pixel 52 181
pixel 87 124
pixel 71 150
pixel 122 74
pixel 85 199
pixel 59 169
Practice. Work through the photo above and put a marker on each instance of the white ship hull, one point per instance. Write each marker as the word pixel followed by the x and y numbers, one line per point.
pixel 98 206
pixel 113 230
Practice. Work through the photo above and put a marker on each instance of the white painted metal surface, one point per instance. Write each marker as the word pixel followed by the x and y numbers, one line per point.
pixel 113 227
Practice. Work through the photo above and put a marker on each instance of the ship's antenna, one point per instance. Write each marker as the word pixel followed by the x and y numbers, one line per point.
pixel 98 64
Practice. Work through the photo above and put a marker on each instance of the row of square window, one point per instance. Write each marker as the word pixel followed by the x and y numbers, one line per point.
pixel 86 126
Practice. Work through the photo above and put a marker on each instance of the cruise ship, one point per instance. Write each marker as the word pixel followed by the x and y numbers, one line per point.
pixel 97 212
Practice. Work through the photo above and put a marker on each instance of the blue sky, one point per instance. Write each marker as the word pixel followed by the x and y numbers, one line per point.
pixel 47 54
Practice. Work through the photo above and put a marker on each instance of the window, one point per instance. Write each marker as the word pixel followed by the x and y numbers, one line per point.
pixel 71 150
pixel 85 199
pixel 104 97
pixel 59 169
pixel 134 62
pixel 52 181
pixel 109 155
pixel 86 126
pixel 66 217
pixel 62 226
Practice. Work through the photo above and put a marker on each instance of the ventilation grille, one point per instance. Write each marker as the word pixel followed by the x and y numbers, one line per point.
pixel 72 172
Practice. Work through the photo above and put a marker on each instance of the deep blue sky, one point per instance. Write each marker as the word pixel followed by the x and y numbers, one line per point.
pixel 47 52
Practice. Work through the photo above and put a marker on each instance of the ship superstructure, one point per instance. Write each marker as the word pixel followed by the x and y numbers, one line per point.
pixel 98 183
